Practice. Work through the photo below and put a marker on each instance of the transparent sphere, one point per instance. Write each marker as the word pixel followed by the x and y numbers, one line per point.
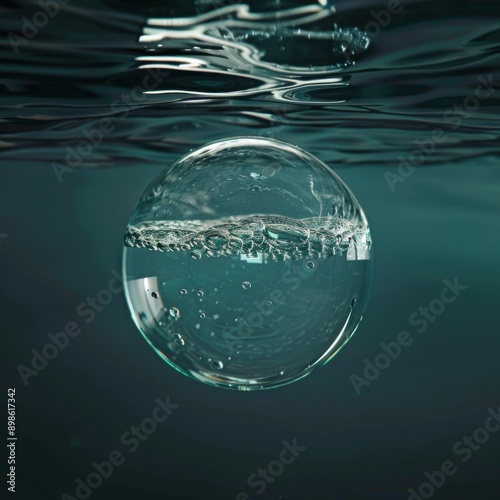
pixel 247 264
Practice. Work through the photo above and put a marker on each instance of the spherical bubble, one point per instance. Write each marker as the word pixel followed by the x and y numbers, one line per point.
pixel 174 312
pixel 301 241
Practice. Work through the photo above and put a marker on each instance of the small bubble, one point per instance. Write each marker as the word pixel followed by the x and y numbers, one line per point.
pixel 216 316
pixel 202 314
pixel 212 334
pixel 281 370
pixel 196 254
pixel 184 291
pixel 199 293
pixel 353 302
pixel 178 339
pixel 154 295
pixel 174 312
pixel 310 264
pixel 269 303
pixel 218 365
pixel 257 176
pixel 246 285
pixel 197 326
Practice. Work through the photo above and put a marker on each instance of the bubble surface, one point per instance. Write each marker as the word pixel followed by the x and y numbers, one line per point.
pixel 174 312
pixel 178 339
pixel 280 266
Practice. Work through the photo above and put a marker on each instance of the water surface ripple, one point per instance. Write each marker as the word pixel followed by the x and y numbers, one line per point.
pixel 327 78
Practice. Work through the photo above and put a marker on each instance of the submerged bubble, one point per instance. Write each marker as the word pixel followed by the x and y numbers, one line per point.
pixel 178 339
pixel 218 365
pixel 174 312
pixel 196 254
pixel 302 244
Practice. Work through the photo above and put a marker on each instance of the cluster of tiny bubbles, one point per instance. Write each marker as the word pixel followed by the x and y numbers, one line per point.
pixel 274 292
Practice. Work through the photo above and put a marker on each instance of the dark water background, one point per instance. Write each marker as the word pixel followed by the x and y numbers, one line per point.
pixel 62 225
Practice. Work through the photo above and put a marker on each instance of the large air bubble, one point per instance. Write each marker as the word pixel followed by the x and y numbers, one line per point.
pixel 278 247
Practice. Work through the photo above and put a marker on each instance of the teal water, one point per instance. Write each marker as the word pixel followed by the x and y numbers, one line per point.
pixel 104 96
